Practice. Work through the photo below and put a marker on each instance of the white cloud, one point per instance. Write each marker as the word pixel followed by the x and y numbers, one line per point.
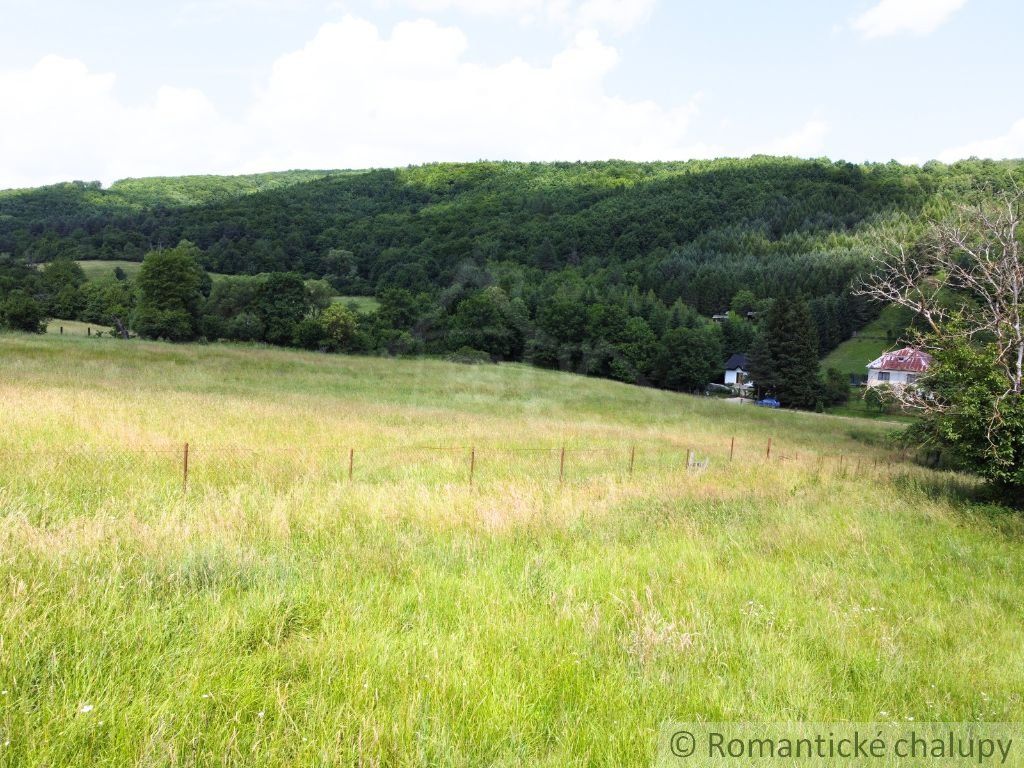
pixel 60 120
pixel 613 16
pixel 351 97
pixel 916 17
pixel 1009 145
pixel 806 141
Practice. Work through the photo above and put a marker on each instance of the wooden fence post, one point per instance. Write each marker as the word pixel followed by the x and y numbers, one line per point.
pixel 632 458
pixel 689 458
pixel 472 464
pixel 561 465
pixel 184 469
pixel 732 448
pixel 768 453
pixel 351 460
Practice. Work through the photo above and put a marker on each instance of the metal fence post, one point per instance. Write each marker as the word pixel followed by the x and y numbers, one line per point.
pixel 184 469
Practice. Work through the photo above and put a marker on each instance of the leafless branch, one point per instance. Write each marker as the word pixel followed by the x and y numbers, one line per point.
pixel 964 277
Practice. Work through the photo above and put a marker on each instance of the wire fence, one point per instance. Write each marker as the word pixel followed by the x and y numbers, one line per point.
pixel 192 465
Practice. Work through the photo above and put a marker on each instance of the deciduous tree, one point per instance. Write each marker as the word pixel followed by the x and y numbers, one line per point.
pixel 963 275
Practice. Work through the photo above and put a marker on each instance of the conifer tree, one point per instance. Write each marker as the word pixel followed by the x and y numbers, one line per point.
pixel 784 362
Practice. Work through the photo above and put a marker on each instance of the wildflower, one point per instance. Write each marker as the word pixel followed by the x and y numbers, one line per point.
pixel 85 708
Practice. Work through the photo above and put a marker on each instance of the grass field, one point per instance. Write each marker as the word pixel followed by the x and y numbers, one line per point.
pixel 853 356
pixel 95 270
pixel 856 407
pixel 76 328
pixel 280 614
pixel 871 342
pixel 364 304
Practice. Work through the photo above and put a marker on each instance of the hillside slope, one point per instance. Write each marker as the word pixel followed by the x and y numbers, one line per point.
pixel 697 231
pixel 880 335
pixel 280 612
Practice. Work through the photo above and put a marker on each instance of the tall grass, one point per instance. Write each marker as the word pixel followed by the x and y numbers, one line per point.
pixel 279 613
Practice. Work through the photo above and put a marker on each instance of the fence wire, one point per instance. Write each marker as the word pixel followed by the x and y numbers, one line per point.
pixel 96 470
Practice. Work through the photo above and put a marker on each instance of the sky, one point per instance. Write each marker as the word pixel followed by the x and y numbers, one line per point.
pixel 121 88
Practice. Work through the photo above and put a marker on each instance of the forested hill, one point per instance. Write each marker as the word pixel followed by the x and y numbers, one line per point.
pixel 560 241
pixel 695 230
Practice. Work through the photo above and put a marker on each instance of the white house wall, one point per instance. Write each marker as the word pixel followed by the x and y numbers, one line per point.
pixel 895 378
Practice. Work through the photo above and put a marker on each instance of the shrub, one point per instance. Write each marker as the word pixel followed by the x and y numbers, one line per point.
pixel 338 326
pixel 309 333
pixel 23 313
pixel 836 389
pixel 469 356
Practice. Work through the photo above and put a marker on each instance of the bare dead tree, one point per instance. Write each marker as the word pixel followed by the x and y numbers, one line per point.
pixel 964 277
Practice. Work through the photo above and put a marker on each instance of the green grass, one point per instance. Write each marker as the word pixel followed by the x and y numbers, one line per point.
pixel 882 334
pixel 76 328
pixel 856 407
pixel 95 270
pixel 364 304
pixel 279 614
pixel 99 269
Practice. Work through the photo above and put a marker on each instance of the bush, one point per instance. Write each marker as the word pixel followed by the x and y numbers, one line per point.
pixel 23 313
pixel 836 389
pixel 309 333
pixel 245 326
pixel 168 324
pixel 469 356
pixel 338 326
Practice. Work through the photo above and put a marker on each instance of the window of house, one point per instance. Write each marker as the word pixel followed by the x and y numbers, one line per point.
pixel 883 375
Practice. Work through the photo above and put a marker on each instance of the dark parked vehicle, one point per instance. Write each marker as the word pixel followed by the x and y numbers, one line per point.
pixel 769 402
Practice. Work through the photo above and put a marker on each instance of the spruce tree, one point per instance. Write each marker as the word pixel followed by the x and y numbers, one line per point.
pixel 784 362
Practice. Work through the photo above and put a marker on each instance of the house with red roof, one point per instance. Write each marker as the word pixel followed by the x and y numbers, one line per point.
pixel 899 367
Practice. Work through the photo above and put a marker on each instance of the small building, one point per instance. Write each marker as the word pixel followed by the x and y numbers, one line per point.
pixel 737 372
pixel 899 367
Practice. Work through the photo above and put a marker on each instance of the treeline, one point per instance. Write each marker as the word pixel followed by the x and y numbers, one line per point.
pixel 609 269
pixel 563 322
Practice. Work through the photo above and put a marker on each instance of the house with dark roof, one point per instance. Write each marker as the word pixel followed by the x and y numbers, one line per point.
pixel 899 367
pixel 737 372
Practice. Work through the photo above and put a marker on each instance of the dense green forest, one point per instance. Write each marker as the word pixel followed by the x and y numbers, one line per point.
pixel 610 269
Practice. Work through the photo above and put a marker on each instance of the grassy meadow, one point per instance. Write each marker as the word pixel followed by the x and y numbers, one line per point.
pixel 99 269
pixel 870 343
pixel 363 304
pixel 76 328
pixel 279 613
